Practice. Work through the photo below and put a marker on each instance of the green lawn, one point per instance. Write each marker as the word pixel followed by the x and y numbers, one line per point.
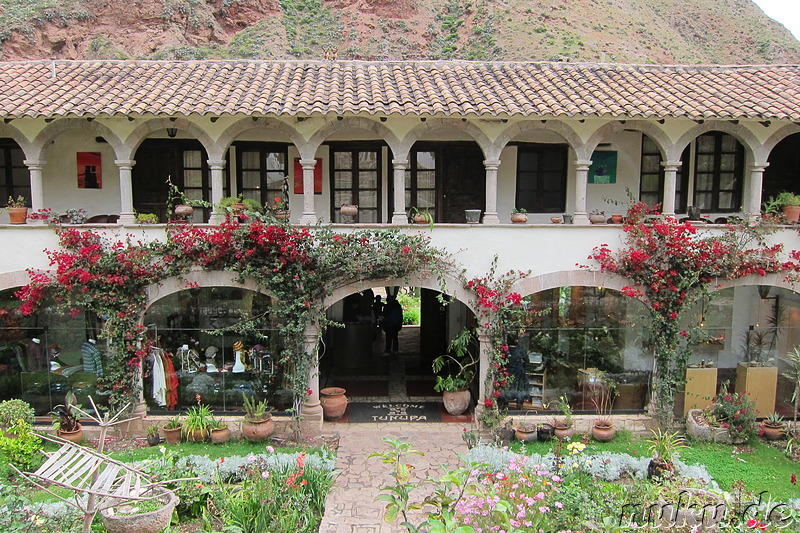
pixel 213 451
pixel 761 466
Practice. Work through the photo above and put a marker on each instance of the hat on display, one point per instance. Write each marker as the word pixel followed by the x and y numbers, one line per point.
pixel 238 346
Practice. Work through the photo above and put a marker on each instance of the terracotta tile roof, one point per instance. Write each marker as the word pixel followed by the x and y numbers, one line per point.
pixel 439 88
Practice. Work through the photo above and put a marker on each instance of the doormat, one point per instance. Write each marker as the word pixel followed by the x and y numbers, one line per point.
pixel 421 387
pixel 369 387
pixel 394 412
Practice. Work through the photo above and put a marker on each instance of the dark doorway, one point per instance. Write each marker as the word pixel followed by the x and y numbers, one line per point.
pixel 433 325
pixel 463 182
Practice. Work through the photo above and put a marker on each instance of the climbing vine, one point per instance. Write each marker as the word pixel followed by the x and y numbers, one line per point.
pixel 297 266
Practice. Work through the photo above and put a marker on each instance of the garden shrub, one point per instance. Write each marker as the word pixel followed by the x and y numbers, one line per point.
pixel 23 450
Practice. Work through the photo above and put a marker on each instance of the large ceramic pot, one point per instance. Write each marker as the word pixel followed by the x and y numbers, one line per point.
pixel 349 210
pixel 257 430
pixel 772 432
pixel 525 433
pixel 173 435
pixel 152 522
pixel 563 431
pixel 456 402
pixel 220 435
pixel 708 433
pixel 521 218
pixel 334 402
pixel 197 435
pixel 183 211
pixel 72 436
pixel 791 213
pixel 603 431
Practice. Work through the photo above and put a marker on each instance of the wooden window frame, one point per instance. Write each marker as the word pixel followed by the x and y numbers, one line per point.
pixel 264 149
pixel 354 148
pixel 541 147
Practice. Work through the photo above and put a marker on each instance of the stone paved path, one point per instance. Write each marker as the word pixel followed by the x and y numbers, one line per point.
pixel 351 505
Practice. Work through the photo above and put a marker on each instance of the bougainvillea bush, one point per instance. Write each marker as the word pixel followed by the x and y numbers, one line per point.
pixel 671 266
pixel 299 267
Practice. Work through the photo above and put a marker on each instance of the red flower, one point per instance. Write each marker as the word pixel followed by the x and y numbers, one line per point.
pixel 794 479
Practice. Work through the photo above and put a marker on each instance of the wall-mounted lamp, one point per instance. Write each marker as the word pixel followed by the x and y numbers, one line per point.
pixel 172 132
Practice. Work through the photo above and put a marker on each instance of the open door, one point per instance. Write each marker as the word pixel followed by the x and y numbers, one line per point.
pixel 463 182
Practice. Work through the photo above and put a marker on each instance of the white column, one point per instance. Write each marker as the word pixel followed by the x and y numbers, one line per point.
pixel 670 183
pixel 217 166
pixel 126 212
pixel 311 410
pixel 37 192
pixel 484 352
pixel 490 213
pixel 399 215
pixel 309 215
pixel 581 178
pixel 753 209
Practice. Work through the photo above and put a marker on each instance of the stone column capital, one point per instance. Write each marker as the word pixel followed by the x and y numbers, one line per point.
pixel 583 164
pixel 308 163
pixel 400 164
pixel 35 163
pixel 491 164
pixel 671 166
pixel 216 163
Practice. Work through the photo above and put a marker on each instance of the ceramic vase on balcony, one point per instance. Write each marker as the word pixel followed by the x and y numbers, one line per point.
pixel 519 218
pixel 473 216
pixel 18 215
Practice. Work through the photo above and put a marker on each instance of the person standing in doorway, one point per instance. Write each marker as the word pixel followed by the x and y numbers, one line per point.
pixel 392 322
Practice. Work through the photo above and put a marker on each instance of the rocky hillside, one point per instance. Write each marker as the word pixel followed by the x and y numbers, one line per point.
pixel 625 31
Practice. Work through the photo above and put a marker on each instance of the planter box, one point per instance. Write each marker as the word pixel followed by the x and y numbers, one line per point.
pixel 708 433
pixel 761 382
pixel 701 386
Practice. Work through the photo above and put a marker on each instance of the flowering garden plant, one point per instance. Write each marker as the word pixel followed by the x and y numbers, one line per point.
pixel 734 412
pixel 670 267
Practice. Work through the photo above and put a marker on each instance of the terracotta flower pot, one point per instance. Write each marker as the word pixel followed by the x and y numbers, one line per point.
pixel 456 402
pixel 152 522
pixel 563 431
pixel 791 213
pixel 525 434
pixel 257 430
pixel 197 435
pixel 349 210
pixel 18 215
pixel 220 435
pixel 603 431
pixel 75 436
pixel 172 436
pixel 334 402
pixel 183 211
pixel 772 432
pixel 519 218
pixel 616 219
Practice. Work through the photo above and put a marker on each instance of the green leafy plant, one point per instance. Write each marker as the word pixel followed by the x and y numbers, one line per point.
pixel 734 412
pixel 398 495
pixel 423 214
pixel 23 449
pixel 519 210
pixel 76 216
pixel 65 417
pixel 252 205
pixel 792 373
pixel 562 404
pixel 255 410
pixel 147 218
pixel 198 418
pixel 775 204
pixel 174 423
pixel 462 359
pixel 13 410
pixel 774 420
pixel 19 202
pixel 175 196
pixel 665 446
pixel 152 430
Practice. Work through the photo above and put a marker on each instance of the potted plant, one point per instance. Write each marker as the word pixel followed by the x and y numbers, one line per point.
pixel 65 419
pixel 603 395
pixel 421 216
pixel 519 215
pixel 597 217
pixel 233 206
pixel 153 438
pixel 257 424
pixel 146 218
pixel 665 448
pixel 76 216
pixel 13 410
pixel 147 516
pixel 544 432
pixel 220 432
pixel 333 402
pixel 786 203
pixel 280 208
pixel 348 210
pixel 562 427
pixel 17 210
pixel 472 216
pixel 454 387
pixel 172 430
pixel 525 431
pixel 757 376
pixel 196 425
pixel 180 205
pixel 772 427
pixel 731 419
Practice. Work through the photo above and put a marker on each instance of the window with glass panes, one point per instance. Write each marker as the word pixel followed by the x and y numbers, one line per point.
pixel 718 172
pixel 15 179
pixel 261 169
pixel 651 181
pixel 421 180
pixel 542 178
pixel 195 179
pixel 356 179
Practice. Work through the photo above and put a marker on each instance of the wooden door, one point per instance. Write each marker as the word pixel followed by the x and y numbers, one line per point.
pixel 463 182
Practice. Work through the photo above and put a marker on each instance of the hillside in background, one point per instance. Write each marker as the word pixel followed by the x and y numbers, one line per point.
pixel 624 31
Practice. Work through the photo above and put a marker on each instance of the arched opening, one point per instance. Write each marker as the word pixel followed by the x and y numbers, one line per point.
pixel 576 340
pixel 46 355
pixel 197 356
pixel 184 162
pixel 360 357
pixel 784 165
